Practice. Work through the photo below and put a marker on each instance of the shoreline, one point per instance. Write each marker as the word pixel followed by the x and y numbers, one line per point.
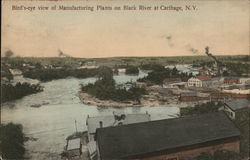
pixel 153 99
pixel 90 100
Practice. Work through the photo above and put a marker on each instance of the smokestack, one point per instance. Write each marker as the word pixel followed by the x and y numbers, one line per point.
pixel 207 50
pixel 101 124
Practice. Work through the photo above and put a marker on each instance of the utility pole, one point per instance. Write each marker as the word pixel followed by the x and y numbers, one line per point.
pixel 75 125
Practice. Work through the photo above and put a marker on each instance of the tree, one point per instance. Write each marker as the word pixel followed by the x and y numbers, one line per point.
pixel 12 141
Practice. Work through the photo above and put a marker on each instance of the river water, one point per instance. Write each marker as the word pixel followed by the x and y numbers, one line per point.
pixel 51 123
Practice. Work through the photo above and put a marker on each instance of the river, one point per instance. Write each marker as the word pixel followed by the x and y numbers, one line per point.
pixel 60 107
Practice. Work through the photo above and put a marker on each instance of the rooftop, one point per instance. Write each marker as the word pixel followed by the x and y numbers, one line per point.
pixel 162 135
pixel 238 104
pixel 204 77
pixel 94 122
pixel 74 144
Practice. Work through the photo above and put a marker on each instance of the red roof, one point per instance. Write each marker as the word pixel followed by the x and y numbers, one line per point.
pixel 204 77
pixel 231 80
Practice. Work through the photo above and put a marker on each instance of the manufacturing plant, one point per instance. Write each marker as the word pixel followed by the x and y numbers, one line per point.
pixel 137 137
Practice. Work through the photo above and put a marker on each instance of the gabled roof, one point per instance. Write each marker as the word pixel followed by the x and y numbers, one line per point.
pixel 238 104
pixel 163 135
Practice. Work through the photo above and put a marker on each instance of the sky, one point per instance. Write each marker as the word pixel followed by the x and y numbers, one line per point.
pixel 223 25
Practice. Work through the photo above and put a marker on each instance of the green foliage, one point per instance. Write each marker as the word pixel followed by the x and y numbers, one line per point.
pixel 152 66
pixel 104 88
pixel 201 108
pixel 51 74
pixel 132 70
pixel 238 69
pixel 11 141
pixel 160 73
pixel 13 92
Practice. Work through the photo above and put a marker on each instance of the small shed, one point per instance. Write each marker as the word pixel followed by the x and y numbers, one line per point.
pixel 233 108
pixel 74 147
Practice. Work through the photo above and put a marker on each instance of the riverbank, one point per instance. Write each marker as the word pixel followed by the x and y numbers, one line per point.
pixel 152 99
pixel 90 100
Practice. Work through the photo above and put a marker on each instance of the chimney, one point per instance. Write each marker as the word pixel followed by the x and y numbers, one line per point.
pixel 101 124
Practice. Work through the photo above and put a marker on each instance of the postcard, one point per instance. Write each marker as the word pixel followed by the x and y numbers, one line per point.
pixel 125 80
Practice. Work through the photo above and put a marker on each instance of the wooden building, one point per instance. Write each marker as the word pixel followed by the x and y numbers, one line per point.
pixel 235 107
pixel 200 81
pixel 169 139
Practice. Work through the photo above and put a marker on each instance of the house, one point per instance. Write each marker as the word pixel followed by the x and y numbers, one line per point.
pixel 74 147
pixel 199 81
pixel 93 123
pixel 235 107
pixel 231 80
pixel 169 139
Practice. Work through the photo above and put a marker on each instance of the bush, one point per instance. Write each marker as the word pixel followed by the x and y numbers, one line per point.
pixel 132 70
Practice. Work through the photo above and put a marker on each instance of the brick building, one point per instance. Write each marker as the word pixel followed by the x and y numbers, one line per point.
pixel 168 139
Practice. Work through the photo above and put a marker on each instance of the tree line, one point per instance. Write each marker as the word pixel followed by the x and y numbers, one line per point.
pixel 159 73
pixel 12 92
pixel 51 74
